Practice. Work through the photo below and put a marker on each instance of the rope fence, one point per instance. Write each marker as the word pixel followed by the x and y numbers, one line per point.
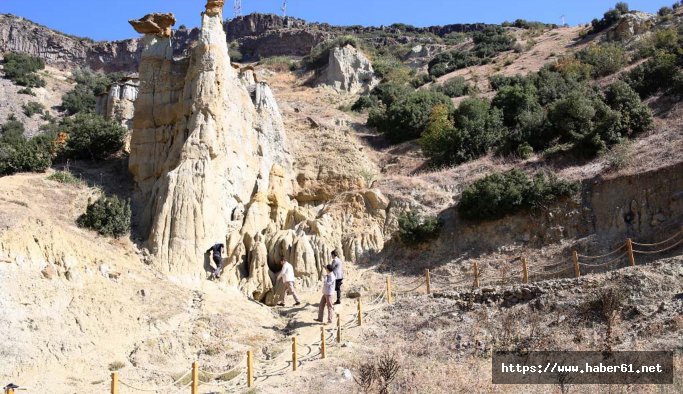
pixel 318 350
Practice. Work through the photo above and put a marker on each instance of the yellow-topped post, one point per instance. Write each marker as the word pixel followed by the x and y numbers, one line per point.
pixel 294 361
pixel 389 289
pixel 360 312
pixel 428 278
pixel 629 249
pixel 195 378
pixel 577 268
pixel 338 328
pixel 525 271
pixel 322 342
pixel 475 269
pixel 250 368
pixel 114 384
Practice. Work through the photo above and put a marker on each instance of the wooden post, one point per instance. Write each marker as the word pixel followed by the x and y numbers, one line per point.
pixel 322 342
pixel 338 328
pixel 577 269
pixel 293 353
pixel 195 378
pixel 360 313
pixel 629 249
pixel 114 383
pixel 250 368
pixel 389 289
pixel 525 271
pixel 475 268
pixel 429 281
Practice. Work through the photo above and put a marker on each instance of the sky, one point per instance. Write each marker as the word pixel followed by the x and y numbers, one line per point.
pixel 107 19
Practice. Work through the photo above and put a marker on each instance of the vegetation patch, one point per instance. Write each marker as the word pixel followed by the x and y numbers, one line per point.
pixel 416 229
pixel 22 69
pixel 109 216
pixel 89 85
pixel 500 194
pixel 19 154
pixel 32 108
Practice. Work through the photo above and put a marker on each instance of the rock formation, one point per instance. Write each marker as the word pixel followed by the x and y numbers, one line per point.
pixel 209 157
pixel 348 70
pixel 118 103
pixel 159 24
pixel 630 25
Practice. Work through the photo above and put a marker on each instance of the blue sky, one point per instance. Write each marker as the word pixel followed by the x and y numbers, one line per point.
pixel 107 19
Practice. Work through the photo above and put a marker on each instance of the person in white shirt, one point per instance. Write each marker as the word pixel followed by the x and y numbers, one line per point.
pixel 287 276
pixel 328 292
pixel 338 268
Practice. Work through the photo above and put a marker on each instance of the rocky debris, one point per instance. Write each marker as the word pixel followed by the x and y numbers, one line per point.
pixel 631 25
pixel 158 24
pixel 348 70
pixel 49 272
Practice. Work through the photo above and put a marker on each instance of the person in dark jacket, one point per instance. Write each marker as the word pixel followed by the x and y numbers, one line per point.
pixel 338 269
pixel 217 254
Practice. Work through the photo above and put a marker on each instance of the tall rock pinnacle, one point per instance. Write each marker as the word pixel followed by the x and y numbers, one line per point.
pixel 197 150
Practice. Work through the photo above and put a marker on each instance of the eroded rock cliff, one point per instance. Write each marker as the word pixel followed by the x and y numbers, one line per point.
pixel 210 160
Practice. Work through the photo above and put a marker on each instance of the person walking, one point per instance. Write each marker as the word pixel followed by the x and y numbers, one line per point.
pixel 338 268
pixel 328 291
pixel 287 276
pixel 217 253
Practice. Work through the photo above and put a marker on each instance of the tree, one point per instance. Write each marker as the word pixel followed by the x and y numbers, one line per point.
pixel 89 85
pixel 622 7
pixel 477 127
pixel 22 69
pixel 109 216
pixel 91 137
pixel 636 117
pixel 515 100
pixel 407 118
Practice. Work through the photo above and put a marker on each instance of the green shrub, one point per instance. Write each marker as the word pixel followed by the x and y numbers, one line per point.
pixel 636 117
pixel 22 69
pixel 515 100
pixel 585 120
pixel 525 150
pixel 416 229
pixel 18 154
pixel 64 177
pixel 655 75
pixel 91 137
pixel 454 87
pixel 665 11
pixel 364 102
pixel 234 52
pixel 89 85
pixel 278 63
pixel 501 194
pixel 475 129
pixel 606 59
pixel 109 216
pixel 407 118
pixel 422 79
pixel 33 108
pixel 390 68
pixel 609 18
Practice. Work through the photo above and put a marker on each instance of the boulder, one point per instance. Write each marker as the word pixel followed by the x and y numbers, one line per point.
pixel 348 70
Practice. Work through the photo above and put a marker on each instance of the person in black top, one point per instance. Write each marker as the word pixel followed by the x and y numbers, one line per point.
pixel 217 252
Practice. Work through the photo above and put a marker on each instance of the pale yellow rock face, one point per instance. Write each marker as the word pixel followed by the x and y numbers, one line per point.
pixel 210 161
pixel 194 150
